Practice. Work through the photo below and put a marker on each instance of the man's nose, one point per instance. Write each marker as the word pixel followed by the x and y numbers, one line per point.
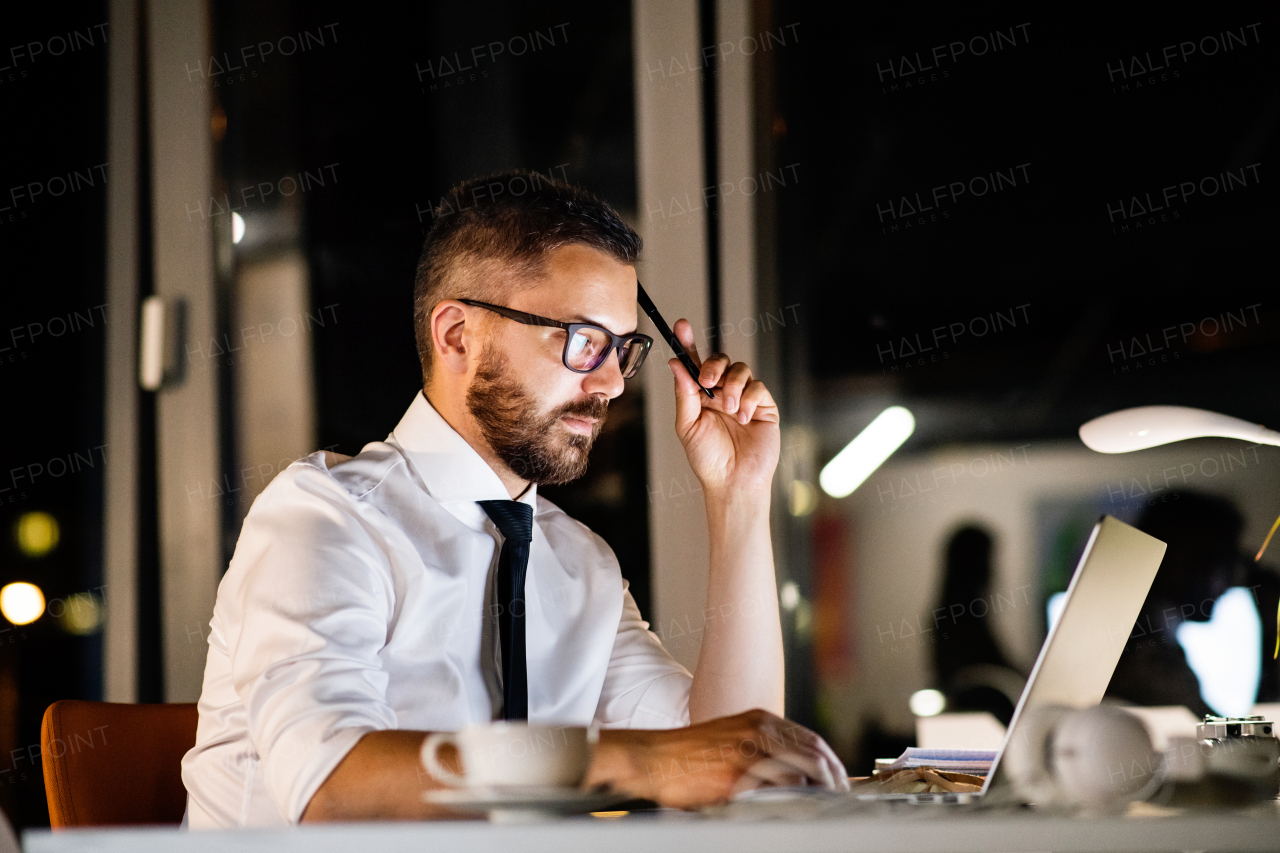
pixel 605 379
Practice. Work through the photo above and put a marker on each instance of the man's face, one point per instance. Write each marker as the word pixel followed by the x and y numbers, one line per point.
pixel 539 417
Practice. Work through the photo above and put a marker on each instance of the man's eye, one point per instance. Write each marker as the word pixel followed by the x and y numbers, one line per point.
pixel 583 344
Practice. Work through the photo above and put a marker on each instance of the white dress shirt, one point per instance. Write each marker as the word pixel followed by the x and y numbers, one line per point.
pixel 356 601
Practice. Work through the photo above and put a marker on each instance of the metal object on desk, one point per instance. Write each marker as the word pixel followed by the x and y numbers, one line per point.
pixel 1232 761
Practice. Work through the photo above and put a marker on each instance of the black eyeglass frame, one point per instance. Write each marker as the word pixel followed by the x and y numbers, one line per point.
pixel 616 342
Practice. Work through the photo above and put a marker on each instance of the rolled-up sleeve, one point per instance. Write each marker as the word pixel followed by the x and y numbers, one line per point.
pixel 644 686
pixel 314 601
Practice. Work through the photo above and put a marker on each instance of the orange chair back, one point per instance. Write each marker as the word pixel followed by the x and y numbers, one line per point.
pixel 107 763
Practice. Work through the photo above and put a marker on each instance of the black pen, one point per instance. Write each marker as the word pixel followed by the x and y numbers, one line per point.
pixel 663 329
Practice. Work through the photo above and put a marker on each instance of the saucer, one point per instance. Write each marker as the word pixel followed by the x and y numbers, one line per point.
pixel 520 803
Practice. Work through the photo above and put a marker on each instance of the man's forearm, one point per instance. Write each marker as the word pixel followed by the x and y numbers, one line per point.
pixel 381 778
pixel 740 665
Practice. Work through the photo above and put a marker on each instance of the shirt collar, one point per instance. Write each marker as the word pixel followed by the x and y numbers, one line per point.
pixel 450 467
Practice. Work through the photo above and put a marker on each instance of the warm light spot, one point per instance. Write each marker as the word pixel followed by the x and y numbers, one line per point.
pixel 789 595
pixel 37 533
pixel 804 498
pixel 927 703
pixel 609 815
pixel 21 603
pixel 79 614
pixel 218 124
pixel 804 618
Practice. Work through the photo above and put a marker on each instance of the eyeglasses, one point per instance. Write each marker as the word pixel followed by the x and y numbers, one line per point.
pixel 586 346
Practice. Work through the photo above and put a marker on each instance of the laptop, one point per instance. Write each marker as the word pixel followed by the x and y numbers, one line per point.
pixel 1080 654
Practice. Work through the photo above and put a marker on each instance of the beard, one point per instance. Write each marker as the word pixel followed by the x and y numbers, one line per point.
pixel 532 444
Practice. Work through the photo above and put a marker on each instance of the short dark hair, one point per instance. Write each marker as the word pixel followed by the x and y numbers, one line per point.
pixel 491 234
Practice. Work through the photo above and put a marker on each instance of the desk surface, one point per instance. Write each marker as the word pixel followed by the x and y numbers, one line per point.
pixel 911 829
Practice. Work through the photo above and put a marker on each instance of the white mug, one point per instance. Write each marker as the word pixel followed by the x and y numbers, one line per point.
pixel 514 754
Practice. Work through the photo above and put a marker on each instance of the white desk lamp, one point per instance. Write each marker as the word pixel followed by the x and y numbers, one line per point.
pixel 1151 426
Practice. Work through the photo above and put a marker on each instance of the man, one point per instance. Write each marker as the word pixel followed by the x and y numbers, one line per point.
pixel 422 585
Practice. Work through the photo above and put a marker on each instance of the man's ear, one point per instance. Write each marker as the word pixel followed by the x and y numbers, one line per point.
pixel 449 340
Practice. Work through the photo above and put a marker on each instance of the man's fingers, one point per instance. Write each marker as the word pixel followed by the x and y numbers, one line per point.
pixel 828 769
pixel 770 771
pixel 746 782
pixel 734 382
pixel 755 397
pixel 811 767
pixel 684 333
pixel 713 369
pixel 688 397
pixel 813 743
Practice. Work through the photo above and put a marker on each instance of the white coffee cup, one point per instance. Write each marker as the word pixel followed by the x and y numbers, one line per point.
pixel 514 754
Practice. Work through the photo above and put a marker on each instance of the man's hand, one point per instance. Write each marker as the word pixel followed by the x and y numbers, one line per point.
pixel 732 441
pixel 710 762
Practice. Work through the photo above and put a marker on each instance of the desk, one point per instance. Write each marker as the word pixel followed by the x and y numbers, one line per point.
pixel 920 829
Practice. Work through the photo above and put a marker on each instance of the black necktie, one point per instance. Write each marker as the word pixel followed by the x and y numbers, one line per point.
pixel 514 521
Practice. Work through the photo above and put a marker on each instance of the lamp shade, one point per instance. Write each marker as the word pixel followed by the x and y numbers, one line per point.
pixel 1151 426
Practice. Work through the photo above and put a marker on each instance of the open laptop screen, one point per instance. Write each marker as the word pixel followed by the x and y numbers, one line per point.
pixel 1100 608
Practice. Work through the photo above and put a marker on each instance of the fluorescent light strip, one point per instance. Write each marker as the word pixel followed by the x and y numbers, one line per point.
pixel 862 456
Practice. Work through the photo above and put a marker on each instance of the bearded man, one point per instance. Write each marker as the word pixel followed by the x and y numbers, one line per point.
pixel 424 586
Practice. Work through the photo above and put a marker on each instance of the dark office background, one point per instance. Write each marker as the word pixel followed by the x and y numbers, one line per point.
pixel 867 268
pixel 873 143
